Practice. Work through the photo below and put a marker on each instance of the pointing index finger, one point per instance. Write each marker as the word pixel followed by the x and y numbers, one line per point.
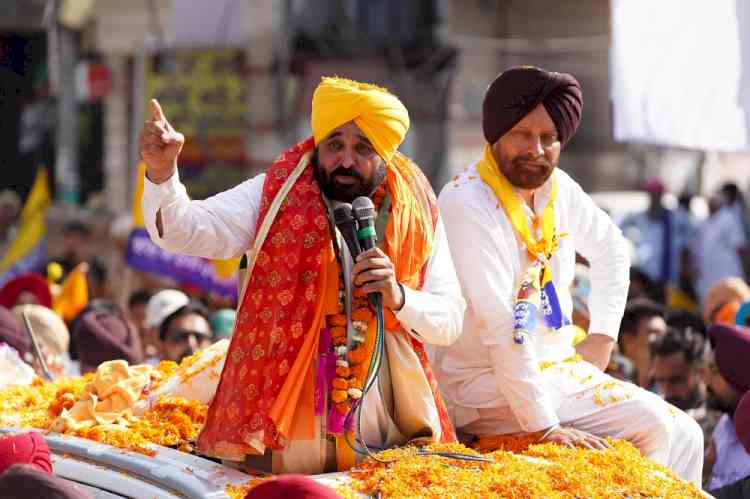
pixel 156 112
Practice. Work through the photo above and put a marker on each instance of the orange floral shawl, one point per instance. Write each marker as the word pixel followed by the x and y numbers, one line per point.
pixel 265 395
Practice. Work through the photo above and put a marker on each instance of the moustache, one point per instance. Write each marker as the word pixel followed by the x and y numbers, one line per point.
pixel 345 172
pixel 519 160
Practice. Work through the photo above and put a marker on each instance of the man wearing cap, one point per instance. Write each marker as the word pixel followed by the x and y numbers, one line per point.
pixel 514 223
pixel 305 333
pixel 180 324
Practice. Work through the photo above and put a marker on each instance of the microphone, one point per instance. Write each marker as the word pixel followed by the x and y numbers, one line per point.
pixel 364 212
pixel 347 225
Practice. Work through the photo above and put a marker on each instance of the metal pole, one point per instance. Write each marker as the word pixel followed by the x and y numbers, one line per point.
pixel 66 158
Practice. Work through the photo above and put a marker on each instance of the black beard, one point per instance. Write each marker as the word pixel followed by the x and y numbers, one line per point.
pixel 686 403
pixel 714 402
pixel 347 193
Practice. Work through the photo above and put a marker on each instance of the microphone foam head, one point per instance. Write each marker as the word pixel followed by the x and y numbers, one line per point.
pixel 363 208
pixel 342 213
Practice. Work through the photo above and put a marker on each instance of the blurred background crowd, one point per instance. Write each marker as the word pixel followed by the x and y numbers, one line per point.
pixel 663 147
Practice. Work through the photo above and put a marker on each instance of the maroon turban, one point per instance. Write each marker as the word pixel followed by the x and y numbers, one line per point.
pixel 731 346
pixel 24 482
pixel 33 283
pixel 25 448
pixel 103 333
pixel 292 486
pixel 742 421
pixel 517 91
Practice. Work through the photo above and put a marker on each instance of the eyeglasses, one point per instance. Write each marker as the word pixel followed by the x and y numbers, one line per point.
pixel 181 335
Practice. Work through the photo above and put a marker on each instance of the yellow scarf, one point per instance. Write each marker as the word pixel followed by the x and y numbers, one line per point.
pixel 539 248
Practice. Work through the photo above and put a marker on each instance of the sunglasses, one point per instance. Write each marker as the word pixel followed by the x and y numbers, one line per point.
pixel 180 335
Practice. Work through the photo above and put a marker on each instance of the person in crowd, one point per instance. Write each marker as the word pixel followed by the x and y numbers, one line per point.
pixel 739 489
pixel 76 249
pixel 303 280
pixel 160 306
pixel 680 358
pixel 16 357
pixel 185 331
pixel 24 448
pixel 682 319
pixel 641 286
pixel 137 303
pixel 24 289
pixel 723 300
pixel 23 481
pixel 728 379
pixel 222 323
pixel 719 245
pixel 656 236
pixel 515 222
pixel 292 486
pixel 642 323
pixel 53 337
pixel 677 359
pixel 735 201
pixel 103 332
pixel 10 207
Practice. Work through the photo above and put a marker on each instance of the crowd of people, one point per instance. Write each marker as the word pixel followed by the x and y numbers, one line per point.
pixel 682 334
pixel 502 298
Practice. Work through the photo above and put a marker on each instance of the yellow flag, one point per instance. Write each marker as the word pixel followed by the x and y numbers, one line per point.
pixel 74 294
pixel 31 227
pixel 137 195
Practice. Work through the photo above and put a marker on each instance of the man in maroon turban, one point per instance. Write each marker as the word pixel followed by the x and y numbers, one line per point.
pixel 515 222
pixel 728 379
pixel 102 333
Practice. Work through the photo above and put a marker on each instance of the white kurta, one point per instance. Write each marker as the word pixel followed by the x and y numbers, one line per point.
pixel 495 386
pixel 223 226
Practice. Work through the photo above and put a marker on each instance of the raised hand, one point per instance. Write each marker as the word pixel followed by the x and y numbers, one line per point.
pixel 159 145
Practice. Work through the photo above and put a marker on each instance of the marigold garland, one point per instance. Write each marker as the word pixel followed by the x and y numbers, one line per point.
pixel 171 421
pixel 541 471
pixel 352 354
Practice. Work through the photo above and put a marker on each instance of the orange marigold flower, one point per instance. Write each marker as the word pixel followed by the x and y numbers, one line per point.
pixel 337 320
pixel 357 356
pixel 343 372
pixel 339 341
pixel 340 383
pixel 338 332
pixel 339 396
pixel 362 314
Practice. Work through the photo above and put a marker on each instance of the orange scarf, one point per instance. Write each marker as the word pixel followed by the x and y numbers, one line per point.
pixel 266 393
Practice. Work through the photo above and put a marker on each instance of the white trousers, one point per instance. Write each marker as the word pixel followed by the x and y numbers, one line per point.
pixel 609 407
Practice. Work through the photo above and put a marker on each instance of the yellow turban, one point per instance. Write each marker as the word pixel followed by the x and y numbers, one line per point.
pixel 379 114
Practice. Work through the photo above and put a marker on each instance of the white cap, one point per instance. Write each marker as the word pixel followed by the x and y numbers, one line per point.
pixel 162 305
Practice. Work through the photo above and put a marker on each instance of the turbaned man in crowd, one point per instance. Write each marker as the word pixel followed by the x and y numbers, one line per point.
pixel 515 222
pixel 305 332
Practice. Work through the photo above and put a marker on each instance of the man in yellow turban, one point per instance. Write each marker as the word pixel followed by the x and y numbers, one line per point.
pixel 305 335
